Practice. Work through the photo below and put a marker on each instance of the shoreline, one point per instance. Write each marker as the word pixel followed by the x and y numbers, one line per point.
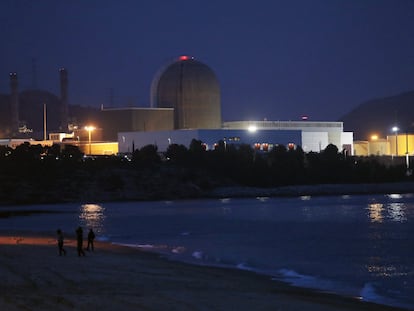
pixel 314 190
pixel 229 192
pixel 237 192
pixel 125 278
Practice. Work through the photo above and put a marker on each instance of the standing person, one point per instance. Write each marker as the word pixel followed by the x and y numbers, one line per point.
pixel 79 239
pixel 60 242
pixel 91 237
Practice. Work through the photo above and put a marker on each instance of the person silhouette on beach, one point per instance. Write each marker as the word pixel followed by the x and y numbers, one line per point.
pixel 91 238
pixel 60 242
pixel 79 240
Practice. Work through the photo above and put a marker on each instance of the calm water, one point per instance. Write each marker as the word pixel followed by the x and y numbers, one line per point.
pixel 360 246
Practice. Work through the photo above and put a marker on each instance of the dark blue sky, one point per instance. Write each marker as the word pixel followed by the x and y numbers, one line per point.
pixel 274 59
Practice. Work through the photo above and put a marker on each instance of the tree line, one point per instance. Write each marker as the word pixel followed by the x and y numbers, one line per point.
pixel 283 166
pixel 64 171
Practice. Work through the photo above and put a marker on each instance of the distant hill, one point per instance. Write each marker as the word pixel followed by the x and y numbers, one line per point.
pixel 380 115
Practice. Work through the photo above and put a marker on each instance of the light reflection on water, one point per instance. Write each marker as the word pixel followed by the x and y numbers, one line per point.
pixel 396 212
pixel 393 211
pixel 262 199
pixel 384 248
pixel 375 212
pixel 385 271
pixel 92 216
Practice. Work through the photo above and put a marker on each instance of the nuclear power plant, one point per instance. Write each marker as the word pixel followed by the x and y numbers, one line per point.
pixel 185 104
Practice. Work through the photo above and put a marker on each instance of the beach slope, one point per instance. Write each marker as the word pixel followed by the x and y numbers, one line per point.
pixel 35 277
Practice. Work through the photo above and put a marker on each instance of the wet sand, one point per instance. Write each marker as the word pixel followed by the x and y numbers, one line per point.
pixel 35 277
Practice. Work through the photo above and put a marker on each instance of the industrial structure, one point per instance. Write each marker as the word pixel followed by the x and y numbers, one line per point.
pixel 191 91
pixel 394 145
pixel 64 99
pixel 26 114
pixel 135 119
pixel 16 125
pixel 185 104
pixel 184 95
pixel 20 112
pixel 14 102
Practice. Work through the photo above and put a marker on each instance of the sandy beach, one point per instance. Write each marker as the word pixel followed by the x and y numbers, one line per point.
pixel 35 277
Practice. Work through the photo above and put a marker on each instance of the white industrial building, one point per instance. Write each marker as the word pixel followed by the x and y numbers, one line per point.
pixel 315 135
pixel 262 135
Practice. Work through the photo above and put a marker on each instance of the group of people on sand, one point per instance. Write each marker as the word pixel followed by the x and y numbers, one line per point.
pixel 79 241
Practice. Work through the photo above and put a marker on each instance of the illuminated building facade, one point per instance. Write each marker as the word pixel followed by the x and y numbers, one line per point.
pixel 315 136
pixel 260 140
pixel 393 145
pixel 261 135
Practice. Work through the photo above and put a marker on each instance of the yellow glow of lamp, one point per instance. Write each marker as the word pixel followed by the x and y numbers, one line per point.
pixel 89 128
pixel 374 137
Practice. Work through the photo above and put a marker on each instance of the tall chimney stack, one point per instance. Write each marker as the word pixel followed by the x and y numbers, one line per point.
pixel 14 103
pixel 64 99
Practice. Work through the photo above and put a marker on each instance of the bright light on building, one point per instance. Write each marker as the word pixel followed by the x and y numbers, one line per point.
pixel 252 128
pixel 395 129
pixel 374 137
pixel 89 128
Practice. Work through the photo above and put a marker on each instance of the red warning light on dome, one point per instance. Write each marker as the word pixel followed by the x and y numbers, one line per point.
pixel 184 57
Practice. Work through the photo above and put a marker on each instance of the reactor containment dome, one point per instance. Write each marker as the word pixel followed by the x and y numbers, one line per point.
pixel 192 89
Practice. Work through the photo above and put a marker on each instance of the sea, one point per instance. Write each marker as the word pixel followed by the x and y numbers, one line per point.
pixel 353 245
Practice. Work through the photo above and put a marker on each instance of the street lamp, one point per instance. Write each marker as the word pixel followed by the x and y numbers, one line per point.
pixel 89 128
pixel 407 156
pixel 395 129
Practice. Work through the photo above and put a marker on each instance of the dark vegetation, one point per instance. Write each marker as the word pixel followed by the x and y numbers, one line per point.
pixel 36 174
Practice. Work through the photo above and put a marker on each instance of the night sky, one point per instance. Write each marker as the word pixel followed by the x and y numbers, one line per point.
pixel 274 59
